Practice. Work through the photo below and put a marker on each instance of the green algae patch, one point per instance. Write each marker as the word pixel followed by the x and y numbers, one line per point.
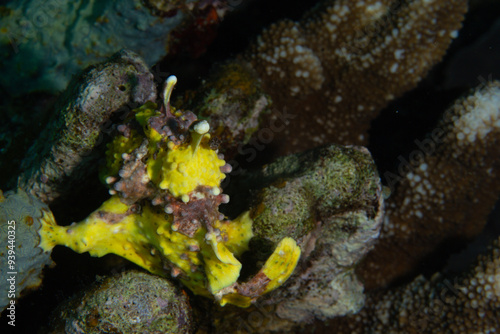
pixel 132 302
pixel 309 188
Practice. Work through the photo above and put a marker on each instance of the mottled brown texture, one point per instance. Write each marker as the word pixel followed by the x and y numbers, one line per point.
pixel 445 194
pixel 466 304
pixel 201 210
pixel 171 127
pixel 255 286
pixel 133 183
pixel 345 60
pixel 234 102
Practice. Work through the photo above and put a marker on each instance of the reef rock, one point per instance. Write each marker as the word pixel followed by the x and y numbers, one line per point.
pixel 132 302
pixel 329 200
pixel 469 303
pixel 448 169
pixel 65 152
pixel 22 258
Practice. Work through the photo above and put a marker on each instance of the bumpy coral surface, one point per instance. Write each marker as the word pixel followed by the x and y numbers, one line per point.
pixel 328 199
pixel 132 302
pixel 450 168
pixel 164 176
pixel 347 59
pixel 233 102
pixel 468 304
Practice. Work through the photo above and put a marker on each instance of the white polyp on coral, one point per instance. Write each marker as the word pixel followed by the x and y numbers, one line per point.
pixel 480 115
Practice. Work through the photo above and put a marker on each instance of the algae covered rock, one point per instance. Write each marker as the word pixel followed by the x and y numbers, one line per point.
pixel 67 150
pixel 21 257
pixel 234 103
pixel 132 302
pixel 328 199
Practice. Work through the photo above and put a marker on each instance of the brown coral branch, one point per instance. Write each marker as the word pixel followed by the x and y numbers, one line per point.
pixel 467 305
pixel 345 60
pixel 446 190
pixel 333 70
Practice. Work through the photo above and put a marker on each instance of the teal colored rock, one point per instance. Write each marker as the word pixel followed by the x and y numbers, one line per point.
pixel 44 43
pixel 20 220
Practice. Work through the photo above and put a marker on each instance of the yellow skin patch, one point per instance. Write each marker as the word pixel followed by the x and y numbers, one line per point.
pixel 147 238
pixel 222 268
pixel 140 238
pixel 96 236
pixel 281 263
pixel 206 261
pixel 142 114
pixel 183 169
pixel 114 155
pixel 278 268
pixel 180 169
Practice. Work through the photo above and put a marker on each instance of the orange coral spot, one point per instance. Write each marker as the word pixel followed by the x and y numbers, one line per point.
pixel 29 220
